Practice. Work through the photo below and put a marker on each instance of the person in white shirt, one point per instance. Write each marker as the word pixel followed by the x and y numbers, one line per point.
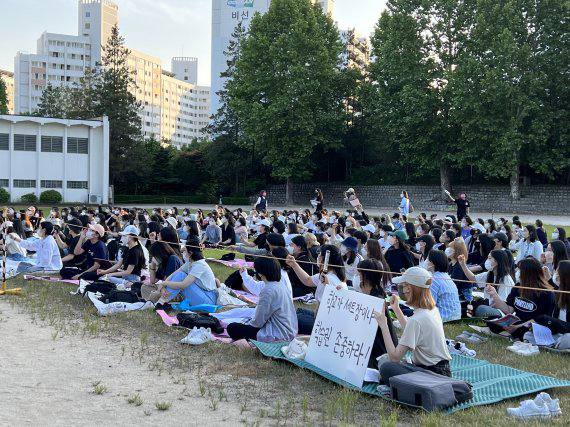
pixel 48 257
pixel 423 334
pixel 14 251
pixel 529 245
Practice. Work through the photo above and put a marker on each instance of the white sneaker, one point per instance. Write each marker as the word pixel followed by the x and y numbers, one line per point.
pixel 524 348
pixel 528 409
pixel 553 405
pixel 197 336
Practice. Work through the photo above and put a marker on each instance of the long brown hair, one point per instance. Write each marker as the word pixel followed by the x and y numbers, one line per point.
pixel 420 298
pixel 563 300
pixel 532 276
pixel 374 252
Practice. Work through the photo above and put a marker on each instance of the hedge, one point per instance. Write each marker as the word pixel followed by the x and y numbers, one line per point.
pixel 4 195
pixel 29 198
pixel 51 196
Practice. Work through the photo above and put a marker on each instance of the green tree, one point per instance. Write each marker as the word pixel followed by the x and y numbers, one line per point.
pixel 285 87
pixel 83 99
pixel 53 102
pixel 117 101
pixel 3 97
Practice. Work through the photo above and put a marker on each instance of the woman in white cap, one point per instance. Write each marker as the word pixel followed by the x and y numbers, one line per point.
pixel 423 332
pixel 129 268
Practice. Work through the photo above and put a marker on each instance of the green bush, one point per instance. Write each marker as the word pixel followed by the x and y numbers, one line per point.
pixel 29 198
pixel 51 196
pixel 4 195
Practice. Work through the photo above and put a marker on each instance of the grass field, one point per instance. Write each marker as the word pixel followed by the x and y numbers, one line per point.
pixel 269 392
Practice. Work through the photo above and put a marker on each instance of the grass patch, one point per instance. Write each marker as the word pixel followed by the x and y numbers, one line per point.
pixel 163 406
pixel 261 388
pixel 135 400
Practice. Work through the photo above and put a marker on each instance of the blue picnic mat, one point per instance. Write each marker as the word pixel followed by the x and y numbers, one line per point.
pixel 491 383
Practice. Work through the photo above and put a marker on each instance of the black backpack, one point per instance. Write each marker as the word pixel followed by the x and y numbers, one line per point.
pixel 120 296
pixel 101 286
pixel 191 320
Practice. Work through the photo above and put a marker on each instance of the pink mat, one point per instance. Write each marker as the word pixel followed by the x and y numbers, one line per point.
pixel 50 279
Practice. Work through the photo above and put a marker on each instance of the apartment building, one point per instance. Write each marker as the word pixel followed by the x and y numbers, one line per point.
pixel 62 59
pixel 8 79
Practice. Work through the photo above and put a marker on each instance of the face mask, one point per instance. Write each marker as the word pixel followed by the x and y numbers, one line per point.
pixel 364 252
pixel 449 252
pixel 499 223
pixel 313 218
pixel 518 276
pixel 418 247
pixel 382 233
pixel 392 240
pixel 186 257
pixel 124 240
pixel 343 250
pixel 89 234
pixel 489 265
pixel 555 235
pixel 275 230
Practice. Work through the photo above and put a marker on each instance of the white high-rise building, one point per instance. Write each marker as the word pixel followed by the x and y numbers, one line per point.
pixel 185 68
pixel 172 104
pixel 226 14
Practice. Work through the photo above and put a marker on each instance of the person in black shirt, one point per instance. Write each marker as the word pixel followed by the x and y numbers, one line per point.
pixel 306 262
pixel 130 267
pixel 68 246
pixel 228 230
pixel 94 249
pixel 462 203
pixel 398 255
pixel 526 304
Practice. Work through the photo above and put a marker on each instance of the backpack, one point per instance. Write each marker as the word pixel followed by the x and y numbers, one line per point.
pixel 191 320
pixel 101 286
pixel 120 296
pixel 429 390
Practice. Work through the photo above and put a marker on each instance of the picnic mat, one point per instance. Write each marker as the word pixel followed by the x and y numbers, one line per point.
pixel 491 383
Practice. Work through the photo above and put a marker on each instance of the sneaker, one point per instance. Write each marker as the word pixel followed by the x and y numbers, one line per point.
pixel 197 336
pixel 553 405
pixel 529 409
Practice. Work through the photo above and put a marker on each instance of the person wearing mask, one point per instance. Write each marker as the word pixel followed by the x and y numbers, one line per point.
pixel 306 261
pixel 443 289
pixel 374 252
pixel 526 304
pixel 502 243
pixel 463 204
pixel 466 226
pixel 93 249
pixel 404 203
pixel 529 245
pixel 423 245
pixel 559 233
pixel 164 261
pixel 499 274
pixel 228 230
pixel 48 257
pixel 397 222
pixel 555 252
pixel 261 202
pixel 14 251
pixel 194 279
pixel 130 267
pixel 241 230
pixel 212 234
pixel 351 258
pixel 372 283
pixel 275 318
pixel 398 254
pixel 423 334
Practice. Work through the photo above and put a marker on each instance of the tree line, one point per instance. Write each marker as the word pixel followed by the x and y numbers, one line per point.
pixel 456 92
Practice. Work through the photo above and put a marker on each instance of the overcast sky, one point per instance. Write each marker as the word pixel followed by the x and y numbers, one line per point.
pixel 163 28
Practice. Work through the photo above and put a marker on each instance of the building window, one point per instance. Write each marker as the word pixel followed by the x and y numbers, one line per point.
pixel 4 141
pixel 51 184
pixel 24 142
pixel 24 183
pixel 88 14
pixel 87 26
pixel 78 145
pixel 4 182
pixel 52 144
pixel 77 185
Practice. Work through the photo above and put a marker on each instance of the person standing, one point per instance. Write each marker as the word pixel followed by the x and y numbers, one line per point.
pixel 404 203
pixel 318 201
pixel 463 204
pixel 261 203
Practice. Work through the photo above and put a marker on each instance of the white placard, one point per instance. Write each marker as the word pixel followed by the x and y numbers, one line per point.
pixel 343 334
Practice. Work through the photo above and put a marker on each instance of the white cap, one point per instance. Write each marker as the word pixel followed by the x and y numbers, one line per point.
pixel 265 222
pixel 130 230
pixel 172 221
pixel 415 276
pixel 370 228
pixel 281 218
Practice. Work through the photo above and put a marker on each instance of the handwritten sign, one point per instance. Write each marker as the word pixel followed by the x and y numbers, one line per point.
pixel 343 334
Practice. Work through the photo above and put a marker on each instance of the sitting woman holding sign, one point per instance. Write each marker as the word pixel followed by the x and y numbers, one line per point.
pixel 423 332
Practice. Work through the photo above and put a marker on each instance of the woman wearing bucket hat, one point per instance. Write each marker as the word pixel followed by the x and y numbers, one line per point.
pixel 423 332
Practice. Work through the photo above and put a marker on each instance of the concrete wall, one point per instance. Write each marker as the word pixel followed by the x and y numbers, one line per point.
pixel 535 199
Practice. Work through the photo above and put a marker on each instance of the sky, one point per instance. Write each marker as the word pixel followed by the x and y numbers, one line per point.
pixel 162 28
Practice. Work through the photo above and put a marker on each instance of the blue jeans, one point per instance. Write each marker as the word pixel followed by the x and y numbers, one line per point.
pixel 122 280
pixel 486 311
pixel 194 294
pixel 16 257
